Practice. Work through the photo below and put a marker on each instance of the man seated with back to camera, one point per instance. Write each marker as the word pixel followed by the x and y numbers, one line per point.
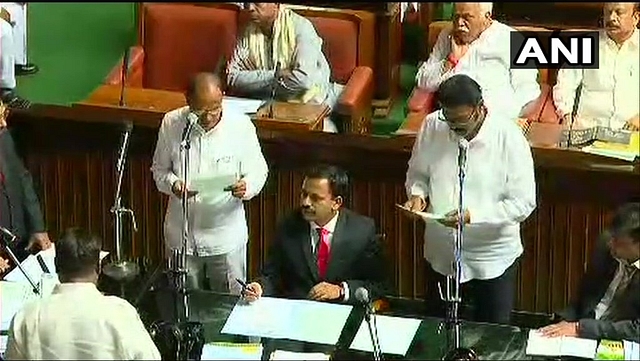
pixel 608 302
pixel 77 322
pixel 282 49
pixel 608 96
pixel 323 251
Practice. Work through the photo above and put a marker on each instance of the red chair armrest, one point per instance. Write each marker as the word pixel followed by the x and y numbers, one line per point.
pixel 542 109
pixel 421 101
pixel 136 69
pixel 358 92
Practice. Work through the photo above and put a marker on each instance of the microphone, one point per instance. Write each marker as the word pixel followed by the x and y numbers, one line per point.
pixel 362 296
pixel 9 234
pixel 43 265
pixel 463 146
pixel 192 119
pixel 574 112
pixel 124 145
pixel 123 75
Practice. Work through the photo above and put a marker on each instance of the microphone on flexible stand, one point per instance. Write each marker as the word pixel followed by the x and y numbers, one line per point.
pixel 14 259
pixel 192 119
pixel 574 112
pixel 362 295
pixel 123 75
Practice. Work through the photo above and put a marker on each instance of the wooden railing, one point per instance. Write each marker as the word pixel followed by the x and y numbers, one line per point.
pixel 71 155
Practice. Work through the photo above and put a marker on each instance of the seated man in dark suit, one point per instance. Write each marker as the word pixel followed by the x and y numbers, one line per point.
pixel 608 303
pixel 323 251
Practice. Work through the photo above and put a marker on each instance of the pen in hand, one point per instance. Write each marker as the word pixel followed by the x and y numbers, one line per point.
pixel 246 290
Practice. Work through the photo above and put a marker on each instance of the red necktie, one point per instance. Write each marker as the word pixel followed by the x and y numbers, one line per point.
pixel 323 251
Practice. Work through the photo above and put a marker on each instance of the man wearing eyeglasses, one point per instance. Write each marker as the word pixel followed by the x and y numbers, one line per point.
pixel 226 167
pixel 499 191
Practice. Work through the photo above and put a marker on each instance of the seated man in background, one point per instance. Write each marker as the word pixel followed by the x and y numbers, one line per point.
pixel 8 61
pixel 323 251
pixel 608 96
pixel 280 51
pixel 478 46
pixel 608 303
pixel 20 210
pixel 77 322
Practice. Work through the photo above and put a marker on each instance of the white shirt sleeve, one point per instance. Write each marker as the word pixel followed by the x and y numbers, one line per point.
pixel 525 86
pixel 417 182
pixel 432 72
pixel 137 340
pixel 519 195
pixel 162 166
pixel 254 166
pixel 564 92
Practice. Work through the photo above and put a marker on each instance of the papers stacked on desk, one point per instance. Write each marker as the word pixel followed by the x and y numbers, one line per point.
pixel 232 351
pixel 539 345
pixel 395 334
pixel 279 318
pixel 628 152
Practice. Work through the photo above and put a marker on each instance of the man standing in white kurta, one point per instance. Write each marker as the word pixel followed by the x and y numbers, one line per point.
pixel 479 46
pixel 226 167
pixel 499 194
pixel 18 14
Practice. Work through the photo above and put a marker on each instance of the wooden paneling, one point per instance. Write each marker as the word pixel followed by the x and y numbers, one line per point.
pixel 73 163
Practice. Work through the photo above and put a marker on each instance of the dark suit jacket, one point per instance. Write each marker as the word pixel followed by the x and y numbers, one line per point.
pixel 356 258
pixel 624 322
pixel 19 206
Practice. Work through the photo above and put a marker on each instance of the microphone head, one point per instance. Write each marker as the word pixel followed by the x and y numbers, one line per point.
pixel 128 126
pixel 463 143
pixel 192 118
pixel 362 295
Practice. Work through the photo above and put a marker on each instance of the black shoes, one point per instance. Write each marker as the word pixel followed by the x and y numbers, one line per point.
pixel 26 69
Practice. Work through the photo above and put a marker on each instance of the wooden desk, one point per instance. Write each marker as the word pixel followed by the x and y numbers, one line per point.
pixel 292 116
pixel 72 161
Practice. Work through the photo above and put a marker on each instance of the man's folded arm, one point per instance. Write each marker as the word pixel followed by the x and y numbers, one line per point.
pixel 609 330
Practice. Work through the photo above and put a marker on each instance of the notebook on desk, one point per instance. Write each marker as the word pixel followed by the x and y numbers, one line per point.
pixel 538 345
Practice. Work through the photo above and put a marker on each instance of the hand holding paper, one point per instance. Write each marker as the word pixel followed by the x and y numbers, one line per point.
pixel 420 215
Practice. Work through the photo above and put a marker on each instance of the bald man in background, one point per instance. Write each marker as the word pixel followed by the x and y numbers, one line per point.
pixel 226 167
pixel 478 46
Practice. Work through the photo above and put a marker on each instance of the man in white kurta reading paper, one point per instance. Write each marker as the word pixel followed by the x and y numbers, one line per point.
pixel 499 194
pixel 226 168
pixel 479 46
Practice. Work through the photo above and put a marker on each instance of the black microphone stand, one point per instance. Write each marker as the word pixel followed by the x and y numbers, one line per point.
pixel 119 270
pixel 7 246
pixel 452 298
pixel 182 339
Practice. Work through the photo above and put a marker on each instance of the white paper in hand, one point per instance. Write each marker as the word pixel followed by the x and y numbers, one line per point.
pixel 424 215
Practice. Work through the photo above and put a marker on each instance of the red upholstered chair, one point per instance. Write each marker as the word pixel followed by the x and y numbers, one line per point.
pixel 177 41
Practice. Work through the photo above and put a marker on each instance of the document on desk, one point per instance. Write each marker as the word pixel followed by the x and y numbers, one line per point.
pixel 33 268
pixel 13 296
pixel 395 334
pixel 631 350
pixel 279 318
pixel 244 105
pixel 232 351
pixel 539 345
pixel 280 355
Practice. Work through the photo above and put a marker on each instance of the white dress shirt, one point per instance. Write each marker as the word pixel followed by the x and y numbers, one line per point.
pixel 488 62
pixel 77 322
pixel 499 192
pixel 231 149
pixel 621 277
pixel 610 95
pixel 315 241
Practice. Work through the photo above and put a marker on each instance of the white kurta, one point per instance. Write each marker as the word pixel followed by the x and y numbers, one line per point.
pixel 217 226
pixel 7 56
pixel 610 95
pixel 19 17
pixel 77 322
pixel 487 61
pixel 500 193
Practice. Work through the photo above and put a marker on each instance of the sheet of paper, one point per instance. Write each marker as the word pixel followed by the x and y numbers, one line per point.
pixel 631 350
pixel 281 355
pixel 424 215
pixel 231 351
pixel 13 296
pixel 395 334
pixel 244 105
pixel 211 190
pixel 560 346
pixel 617 154
pixel 33 269
pixel 278 318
